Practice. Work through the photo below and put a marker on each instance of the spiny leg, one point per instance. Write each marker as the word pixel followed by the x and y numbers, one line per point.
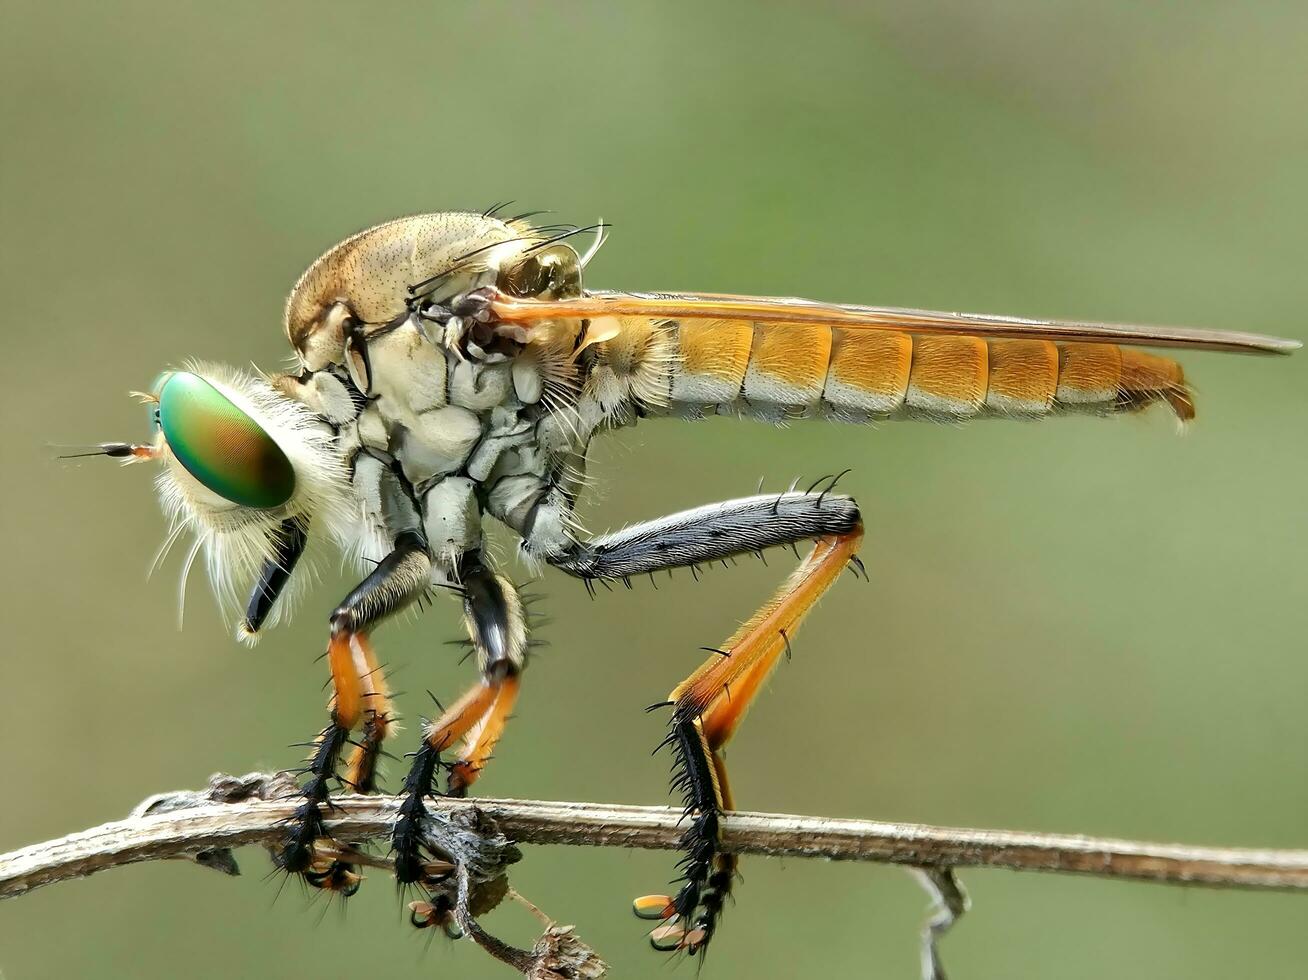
pixel 714 699
pixel 329 871
pixel 493 615
pixel 359 695
pixel 710 704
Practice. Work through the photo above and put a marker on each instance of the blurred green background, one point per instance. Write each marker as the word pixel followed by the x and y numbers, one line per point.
pixel 1082 625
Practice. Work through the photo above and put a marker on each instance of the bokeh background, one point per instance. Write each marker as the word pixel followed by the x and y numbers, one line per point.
pixel 1082 625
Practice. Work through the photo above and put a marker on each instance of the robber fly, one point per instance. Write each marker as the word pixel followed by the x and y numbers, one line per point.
pixel 452 366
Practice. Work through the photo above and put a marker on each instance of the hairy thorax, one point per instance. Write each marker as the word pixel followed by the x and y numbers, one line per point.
pixel 439 422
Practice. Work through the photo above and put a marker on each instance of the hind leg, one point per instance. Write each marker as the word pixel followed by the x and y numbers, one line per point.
pixel 707 709
pixel 710 704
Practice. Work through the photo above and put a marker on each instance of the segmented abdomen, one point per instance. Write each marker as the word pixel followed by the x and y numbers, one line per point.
pixel 778 371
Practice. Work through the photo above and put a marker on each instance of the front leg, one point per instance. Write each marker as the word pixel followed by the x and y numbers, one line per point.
pixel 288 544
pixel 359 696
pixel 710 704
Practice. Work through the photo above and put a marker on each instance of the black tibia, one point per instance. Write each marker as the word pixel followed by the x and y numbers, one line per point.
pixel 359 700
pixel 711 533
pixel 288 542
pixel 493 616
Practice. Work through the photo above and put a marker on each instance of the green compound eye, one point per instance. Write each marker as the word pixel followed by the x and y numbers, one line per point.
pixel 221 446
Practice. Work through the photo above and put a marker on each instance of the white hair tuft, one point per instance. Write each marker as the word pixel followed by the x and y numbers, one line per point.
pixel 236 540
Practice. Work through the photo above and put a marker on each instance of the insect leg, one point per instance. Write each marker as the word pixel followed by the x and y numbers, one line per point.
pixel 288 546
pixel 496 625
pixel 710 704
pixel 708 534
pixel 359 696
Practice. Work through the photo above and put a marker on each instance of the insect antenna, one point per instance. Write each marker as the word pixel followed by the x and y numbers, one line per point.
pixel 129 452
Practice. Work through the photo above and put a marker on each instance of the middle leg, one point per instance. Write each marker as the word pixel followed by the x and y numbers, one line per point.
pixel 496 625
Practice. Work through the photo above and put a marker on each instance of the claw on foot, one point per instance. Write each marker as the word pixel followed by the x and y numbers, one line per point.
pixel 689 919
pixel 334 876
pixel 672 936
pixel 437 913
pixel 654 907
pixel 675 932
pixel 668 937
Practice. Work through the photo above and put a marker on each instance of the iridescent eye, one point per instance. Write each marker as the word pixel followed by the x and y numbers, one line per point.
pixel 221 446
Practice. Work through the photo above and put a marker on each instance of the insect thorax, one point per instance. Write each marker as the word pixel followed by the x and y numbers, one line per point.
pixel 433 439
pixel 440 420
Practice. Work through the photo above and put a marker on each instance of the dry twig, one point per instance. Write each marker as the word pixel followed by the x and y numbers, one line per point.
pixel 253 809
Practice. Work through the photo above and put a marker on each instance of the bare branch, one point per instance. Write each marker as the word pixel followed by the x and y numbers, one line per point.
pixel 191 825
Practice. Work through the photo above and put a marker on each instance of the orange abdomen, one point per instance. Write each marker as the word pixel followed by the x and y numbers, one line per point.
pixel 791 370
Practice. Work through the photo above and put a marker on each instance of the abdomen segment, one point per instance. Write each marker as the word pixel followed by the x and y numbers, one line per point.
pixel 778 370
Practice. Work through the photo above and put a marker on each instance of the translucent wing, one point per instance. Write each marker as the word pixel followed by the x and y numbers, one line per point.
pixel 772 309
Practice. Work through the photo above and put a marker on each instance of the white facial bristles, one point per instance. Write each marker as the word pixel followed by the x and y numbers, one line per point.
pixel 237 540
